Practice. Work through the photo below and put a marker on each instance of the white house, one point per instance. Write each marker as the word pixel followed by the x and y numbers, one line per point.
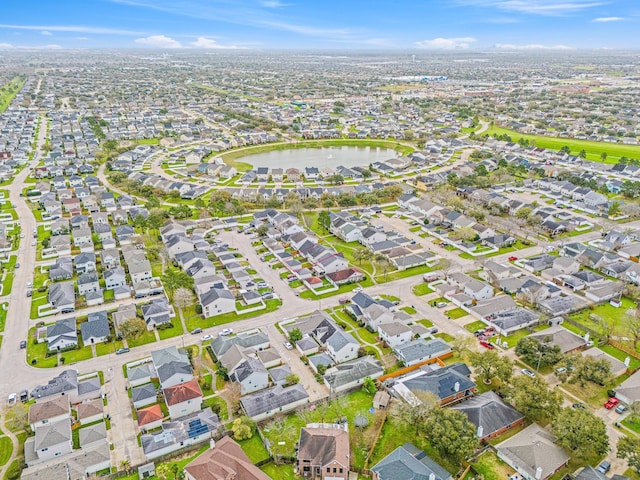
pixel 395 333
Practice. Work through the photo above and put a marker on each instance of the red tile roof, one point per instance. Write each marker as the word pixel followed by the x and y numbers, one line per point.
pixel 149 415
pixel 181 393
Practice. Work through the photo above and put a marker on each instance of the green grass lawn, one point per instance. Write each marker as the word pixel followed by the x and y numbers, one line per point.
pixel 620 355
pixel 421 289
pixel 147 337
pixel 491 467
pixel 398 274
pixel 409 310
pixel 38 352
pixel 281 472
pixel 173 331
pixel 426 323
pixel 473 326
pixel 254 449
pixel 349 287
pixel 594 149
pixel 7 283
pixel 456 313
pixel 77 355
pixel 193 320
pixel 224 412
pixel 106 348
pixel 633 425
pixel 5 450
pixel 608 311
pixel 593 394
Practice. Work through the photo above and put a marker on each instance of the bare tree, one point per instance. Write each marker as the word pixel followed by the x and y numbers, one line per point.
pixel 632 324
pixel 183 297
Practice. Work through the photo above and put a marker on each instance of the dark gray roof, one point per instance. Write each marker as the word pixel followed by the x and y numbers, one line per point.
pixel 88 385
pixel 142 392
pixel 247 368
pixel 67 380
pixel 409 463
pixel 179 430
pixel 489 412
pixel 221 344
pixel 442 381
pixel 349 372
pixel 421 348
pixel 590 473
pixel 95 328
pixel 273 399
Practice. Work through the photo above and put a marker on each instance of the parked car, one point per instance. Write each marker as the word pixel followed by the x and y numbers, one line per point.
pixel 513 258
pixel 262 284
pixel 578 405
pixel 433 331
pixel 288 345
pixel 621 408
pixel 24 396
pixel 526 371
pixel 17 265
pixel 226 331
pixel 478 333
pixel 122 350
pixel 29 293
pixel 611 403
pixel 441 304
pixel 357 290
pixel 23 344
pixel 196 331
pixel 604 467
pixel 561 370
pixel 206 338
pixel 11 400
pixel 486 344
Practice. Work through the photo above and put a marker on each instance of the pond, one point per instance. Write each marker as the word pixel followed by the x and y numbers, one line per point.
pixel 320 157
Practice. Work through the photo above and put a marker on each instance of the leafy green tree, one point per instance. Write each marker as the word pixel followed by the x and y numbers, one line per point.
pixel 481 170
pixel 415 415
pixel 603 156
pixel 614 209
pixel 262 230
pixel 324 219
pixel 629 449
pixel 523 213
pixel 581 432
pixel 582 154
pixel 369 386
pixel 322 369
pixel 292 379
pixel 537 353
pixel 451 433
pixel 489 365
pixel 533 398
pixel 295 335
pixel 174 279
pixel 243 428
pixel 360 254
pixel 133 328
pixel 590 369
pixel 565 149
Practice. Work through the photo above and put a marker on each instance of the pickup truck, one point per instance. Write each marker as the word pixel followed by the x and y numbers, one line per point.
pixel 611 403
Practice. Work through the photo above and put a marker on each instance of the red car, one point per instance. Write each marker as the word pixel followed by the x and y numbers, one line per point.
pixel 486 344
pixel 512 258
pixel 611 403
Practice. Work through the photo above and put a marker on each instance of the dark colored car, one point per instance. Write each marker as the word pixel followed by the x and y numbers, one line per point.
pixel 23 344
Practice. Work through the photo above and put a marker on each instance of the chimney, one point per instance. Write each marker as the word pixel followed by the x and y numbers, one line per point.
pixel 432 476
pixel 456 387
pixel 480 431
pixel 538 473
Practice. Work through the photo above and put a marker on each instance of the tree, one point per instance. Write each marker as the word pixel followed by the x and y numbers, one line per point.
pixel 523 213
pixel 565 149
pixel 369 386
pixel 262 230
pixel 466 234
pixel 634 411
pixel 582 154
pixel 360 254
pixel 603 156
pixel 383 262
pixel 243 428
pixel 451 433
pixel 632 324
pixel 183 298
pixel 590 369
pixel 292 379
pixel 324 219
pixel 533 398
pixel 629 450
pixel 322 369
pixel 581 432
pixel 295 335
pixel 418 414
pixel 489 365
pixel 614 209
pixel 537 353
pixel 132 328
pixel 461 344
pixel 172 279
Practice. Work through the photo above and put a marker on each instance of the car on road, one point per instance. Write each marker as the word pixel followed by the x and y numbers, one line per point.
pixel 433 331
pixel 288 345
pixel 122 350
pixel 24 396
pixel 196 331
pixel 578 405
pixel 33 244
pixel 357 290
pixel 604 467
pixel 526 371
pixel 23 344
pixel 561 370
pixel 29 293
pixel 226 331
pixel 262 284
pixel 478 333
pixel 17 265
pixel 621 408
pixel 268 296
pixel 29 284
pixel 206 338
pixel 611 403
pixel 513 258
pixel 22 235
pixel 11 400
pixel 443 244
pixel 486 344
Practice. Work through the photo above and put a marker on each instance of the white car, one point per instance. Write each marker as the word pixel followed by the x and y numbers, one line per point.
pixel 206 338
pixel 357 290
pixel 226 331
pixel 12 399
pixel 288 346
pixel 526 371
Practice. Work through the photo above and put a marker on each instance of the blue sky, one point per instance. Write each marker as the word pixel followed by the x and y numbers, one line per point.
pixel 442 25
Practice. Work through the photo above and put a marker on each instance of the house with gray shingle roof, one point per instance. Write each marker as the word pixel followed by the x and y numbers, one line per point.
pixel 95 330
pixel 144 395
pixel 62 334
pixel 490 414
pixel 421 350
pixel 349 375
pixel 409 463
pixel 51 440
pixel 92 434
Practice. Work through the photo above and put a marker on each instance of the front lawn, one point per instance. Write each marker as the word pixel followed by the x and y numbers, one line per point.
pixel 421 289
pixel 147 337
pixel 456 313
pixel 398 274
pixel 193 320
pixel 473 326
pixel 174 331
pixel 106 348
pixel 633 425
pixel 77 355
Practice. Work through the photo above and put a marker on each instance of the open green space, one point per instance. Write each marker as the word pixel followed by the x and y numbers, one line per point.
pixel 5 450
pixel 421 289
pixel 632 424
pixel 9 90
pixel 173 331
pixel 591 317
pixel 473 326
pixel 634 363
pixel 193 320
pixel 593 149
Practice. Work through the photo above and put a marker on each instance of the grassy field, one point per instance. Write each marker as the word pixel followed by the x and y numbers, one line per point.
pixel 594 149
pixel 456 313
pixel 422 289
pixel 281 472
pixel 8 92
pixel 491 467
pixel 606 311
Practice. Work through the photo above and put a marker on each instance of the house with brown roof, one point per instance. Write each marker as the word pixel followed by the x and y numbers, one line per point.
pixel 149 418
pixel 323 452
pixel 90 411
pixel 183 399
pixel 225 460
pixel 349 275
pixel 49 411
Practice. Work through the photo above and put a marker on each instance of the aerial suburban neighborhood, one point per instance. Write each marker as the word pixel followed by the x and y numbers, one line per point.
pixel 256 266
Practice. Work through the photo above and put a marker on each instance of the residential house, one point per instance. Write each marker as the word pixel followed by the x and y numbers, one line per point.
pixel 87 283
pixel 272 401
pixel 95 329
pixel 449 384
pixel 251 374
pixel 49 411
pixel 349 375
pixel 114 277
pixel 421 350
pixel 395 334
pixel 156 312
pixel 62 335
pixel 183 399
pixel 490 415
pixel 217 301
pixel 408 463
pixel 323 452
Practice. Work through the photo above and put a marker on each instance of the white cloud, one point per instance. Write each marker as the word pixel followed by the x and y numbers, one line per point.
pixel 46 32
pixel 538 7
pixel 446 43
pixel 6 45
pixel 204 42
pixel 273 4
pixel 52 46
pixel 159 41
pixel 71 28
pixel 608 19
pixel 532 46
